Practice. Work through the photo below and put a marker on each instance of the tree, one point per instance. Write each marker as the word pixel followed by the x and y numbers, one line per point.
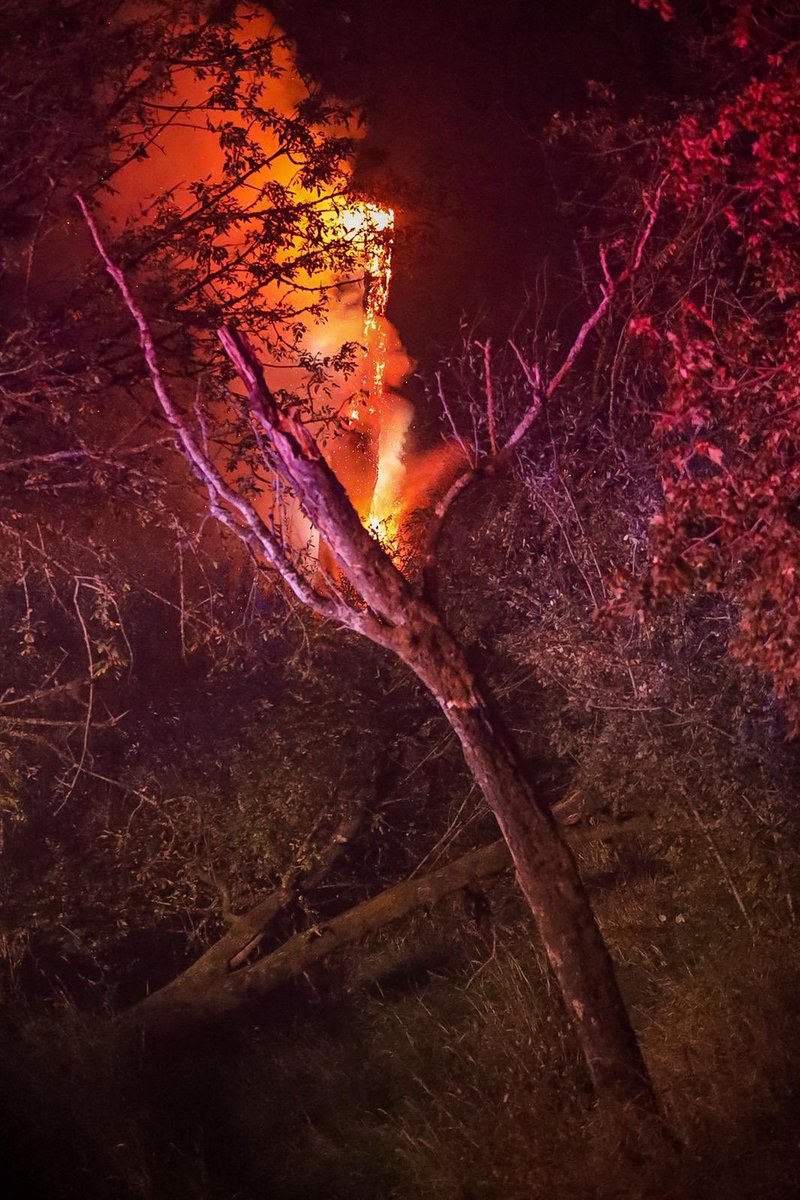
pixel 98 95
pixel 242 446
pixel 712 343
pixel 706 350
pixel 265 440
pixel 384 607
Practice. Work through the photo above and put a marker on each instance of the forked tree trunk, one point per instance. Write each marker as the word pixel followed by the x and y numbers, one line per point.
pixel 390 613
pixel 545 867
pixel 394 616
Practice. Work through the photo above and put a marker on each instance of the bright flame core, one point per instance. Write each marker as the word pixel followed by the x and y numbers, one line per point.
pixel 375 225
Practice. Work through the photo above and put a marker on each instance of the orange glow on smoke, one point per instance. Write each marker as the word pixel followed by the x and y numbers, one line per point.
pixel 369 454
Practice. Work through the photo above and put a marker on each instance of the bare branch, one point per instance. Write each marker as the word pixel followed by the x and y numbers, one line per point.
pixel 534 377
pixel 72 689
pixel 469 456
pixel 230 508
pixel 539 391
pixel 62 456
pixel 486 347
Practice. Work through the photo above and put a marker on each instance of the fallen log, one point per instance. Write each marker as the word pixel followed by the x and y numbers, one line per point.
pixel 207 994
pixel 211 989
pixel 247 931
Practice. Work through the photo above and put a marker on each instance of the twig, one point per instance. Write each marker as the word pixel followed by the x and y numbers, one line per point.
pixel 87 641
pixel 468 454
pixel 486 347
pixel 720 860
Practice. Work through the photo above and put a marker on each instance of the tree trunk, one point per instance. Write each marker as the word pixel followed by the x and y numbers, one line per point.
pixel 545 867
pixel 390 613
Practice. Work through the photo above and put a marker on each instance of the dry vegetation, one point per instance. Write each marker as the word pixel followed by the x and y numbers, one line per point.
pixel 435 1062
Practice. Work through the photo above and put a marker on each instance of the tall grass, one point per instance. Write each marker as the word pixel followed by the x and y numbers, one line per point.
pixel 436 1062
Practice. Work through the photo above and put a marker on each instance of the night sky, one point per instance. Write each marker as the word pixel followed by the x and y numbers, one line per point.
pixel 455 95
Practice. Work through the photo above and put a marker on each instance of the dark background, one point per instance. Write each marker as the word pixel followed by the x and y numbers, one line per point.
pixel 455 95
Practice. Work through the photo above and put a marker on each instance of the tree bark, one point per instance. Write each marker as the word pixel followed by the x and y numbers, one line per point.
pixel 395 617
pixel 545 867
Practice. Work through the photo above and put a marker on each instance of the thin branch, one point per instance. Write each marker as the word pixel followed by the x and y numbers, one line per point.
pixel 723 866
pixel 539 392
pixel 534 377
pixel 58 456
pixel 486 347
pixel 87 724
pixel 468 454
pixel 230 508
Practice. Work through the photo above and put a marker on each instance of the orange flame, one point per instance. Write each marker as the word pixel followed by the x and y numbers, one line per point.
pixel 376 226
pixel 372 457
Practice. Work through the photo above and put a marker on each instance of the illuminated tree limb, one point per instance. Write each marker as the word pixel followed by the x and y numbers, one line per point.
pixel 226 504
pixel 540 391
pixel 389 612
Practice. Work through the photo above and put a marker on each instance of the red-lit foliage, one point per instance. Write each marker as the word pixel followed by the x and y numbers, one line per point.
pixel 727 345
pixel 663 7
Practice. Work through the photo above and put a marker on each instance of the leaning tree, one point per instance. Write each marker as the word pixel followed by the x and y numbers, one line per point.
pixel 211 258
pixel 366 592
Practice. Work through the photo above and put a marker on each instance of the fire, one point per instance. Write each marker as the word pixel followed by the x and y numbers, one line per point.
pixel 374 226
pixel 369 453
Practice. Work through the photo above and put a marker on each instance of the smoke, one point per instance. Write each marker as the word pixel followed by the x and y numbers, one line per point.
pixel 370 449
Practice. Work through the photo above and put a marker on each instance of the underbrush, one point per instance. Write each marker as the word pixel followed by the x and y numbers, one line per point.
pixel 436 1062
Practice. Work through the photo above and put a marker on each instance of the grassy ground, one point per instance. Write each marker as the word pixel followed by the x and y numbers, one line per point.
pixel 436 1064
